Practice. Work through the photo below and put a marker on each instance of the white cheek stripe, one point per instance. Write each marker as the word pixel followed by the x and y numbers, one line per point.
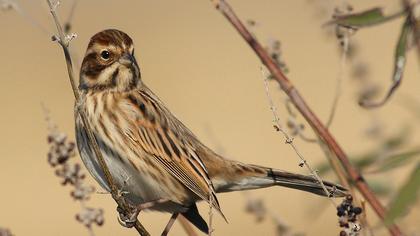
pixel 124 77
pixel 106 74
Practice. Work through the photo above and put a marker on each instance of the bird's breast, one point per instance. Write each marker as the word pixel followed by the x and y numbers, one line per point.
pixel 133 171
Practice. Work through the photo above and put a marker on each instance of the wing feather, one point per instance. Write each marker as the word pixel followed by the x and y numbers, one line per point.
pixel 172 144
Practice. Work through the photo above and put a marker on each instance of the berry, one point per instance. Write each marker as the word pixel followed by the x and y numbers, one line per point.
pixel 357 210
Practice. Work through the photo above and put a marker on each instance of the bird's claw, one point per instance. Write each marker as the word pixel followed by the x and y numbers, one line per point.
pixel 127 218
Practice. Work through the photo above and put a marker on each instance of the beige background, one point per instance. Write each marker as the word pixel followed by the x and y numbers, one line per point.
pixel 196 62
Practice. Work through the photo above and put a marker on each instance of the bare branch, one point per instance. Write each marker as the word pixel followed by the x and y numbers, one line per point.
pixel 186 226
pixel 211 216
pixel 64 41
pixel 170 223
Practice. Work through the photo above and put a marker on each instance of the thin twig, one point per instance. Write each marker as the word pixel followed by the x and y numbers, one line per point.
pixel 170 223
pixel 210 216
pixel 259 210
pixel 186 225
pixel 340 78
pixel 298 127
pixel 289 139
pixel 306 112
pixel 68 24
pixel 64 41
pixel 12 4
pixel 293 118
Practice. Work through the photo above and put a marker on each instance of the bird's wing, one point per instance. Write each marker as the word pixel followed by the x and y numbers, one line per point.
pixel 163 136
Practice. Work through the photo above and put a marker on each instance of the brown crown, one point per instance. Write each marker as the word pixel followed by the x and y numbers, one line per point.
pixel 111 36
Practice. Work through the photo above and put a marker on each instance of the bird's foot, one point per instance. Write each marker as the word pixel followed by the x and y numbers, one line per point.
pixel 128 218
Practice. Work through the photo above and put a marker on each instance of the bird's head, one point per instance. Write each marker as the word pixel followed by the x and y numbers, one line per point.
pixel 109 63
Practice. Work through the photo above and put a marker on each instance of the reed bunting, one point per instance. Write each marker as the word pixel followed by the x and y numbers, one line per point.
pixel 150 153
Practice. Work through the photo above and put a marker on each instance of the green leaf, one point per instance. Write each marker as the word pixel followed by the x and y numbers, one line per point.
pixel 359 161
pixel 366 18
pixel 367 159
pixel 399 64
pixel 406 196
pixel 396 160
pixel 380 188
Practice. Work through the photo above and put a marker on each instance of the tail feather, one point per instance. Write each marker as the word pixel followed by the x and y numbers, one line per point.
pixel 306 183
pixel 193 216
pixel 244 177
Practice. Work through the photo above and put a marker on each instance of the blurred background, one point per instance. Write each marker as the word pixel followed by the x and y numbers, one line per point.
pixel 194 60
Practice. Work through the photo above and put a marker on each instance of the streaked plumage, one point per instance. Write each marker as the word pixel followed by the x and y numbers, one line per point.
pixel 150 153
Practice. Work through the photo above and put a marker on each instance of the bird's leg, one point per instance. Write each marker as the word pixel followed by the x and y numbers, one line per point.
pixel 128 218
pixel 170 223
pixel 150 204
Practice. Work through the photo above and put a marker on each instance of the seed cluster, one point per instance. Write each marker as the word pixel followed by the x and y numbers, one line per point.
pixel 347 214
pixel 256 207
pixel 89 216
pixel 274 49
pixel 60 152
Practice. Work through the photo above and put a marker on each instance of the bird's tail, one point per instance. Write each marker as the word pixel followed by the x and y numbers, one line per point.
pixel 195 218
pixel 239 176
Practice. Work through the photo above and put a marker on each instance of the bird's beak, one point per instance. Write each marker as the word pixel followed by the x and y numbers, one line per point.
pixel 127 59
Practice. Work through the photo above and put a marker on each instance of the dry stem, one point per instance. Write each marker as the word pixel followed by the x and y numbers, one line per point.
pixel 64 41
pixel 186 225
pixel 340 79
pixel 289 140
pixel 210 216
pixel 306 112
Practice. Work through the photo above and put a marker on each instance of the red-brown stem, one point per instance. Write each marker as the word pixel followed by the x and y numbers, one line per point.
pixel 306 112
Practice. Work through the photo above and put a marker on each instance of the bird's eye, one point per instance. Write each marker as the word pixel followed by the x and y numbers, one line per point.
pixel 105 54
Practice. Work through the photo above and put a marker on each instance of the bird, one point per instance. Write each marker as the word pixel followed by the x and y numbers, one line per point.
pixel 151 155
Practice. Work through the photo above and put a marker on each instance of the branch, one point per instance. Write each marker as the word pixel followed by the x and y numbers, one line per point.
pixel 306 112
pixel 189 230
pixel 64 41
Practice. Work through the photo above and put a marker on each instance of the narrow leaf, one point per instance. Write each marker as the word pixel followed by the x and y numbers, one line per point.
pixel 362 19
pixel 399 64
pixel 365 160
pixel 380 188
pixel 396 160
pixel 406 196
